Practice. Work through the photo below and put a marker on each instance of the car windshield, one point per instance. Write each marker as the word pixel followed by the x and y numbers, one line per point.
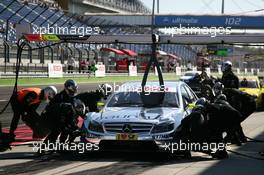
pixel 133 99
pixel 248 84
pixel 189 74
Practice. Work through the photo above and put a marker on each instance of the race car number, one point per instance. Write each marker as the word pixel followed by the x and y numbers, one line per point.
pixel 126 136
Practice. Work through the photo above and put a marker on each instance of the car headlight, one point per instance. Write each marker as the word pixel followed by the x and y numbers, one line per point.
pixel 96 127
pixel 163 127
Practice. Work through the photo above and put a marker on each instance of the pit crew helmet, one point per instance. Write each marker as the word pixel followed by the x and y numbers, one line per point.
pixel 70 87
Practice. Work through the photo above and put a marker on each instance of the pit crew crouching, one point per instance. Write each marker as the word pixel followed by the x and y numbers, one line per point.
pixel 207 123
pixel 62 118
pixel 234 102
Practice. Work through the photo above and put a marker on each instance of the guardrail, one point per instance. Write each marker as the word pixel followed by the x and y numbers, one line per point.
pixel 43 68
pixel 88 74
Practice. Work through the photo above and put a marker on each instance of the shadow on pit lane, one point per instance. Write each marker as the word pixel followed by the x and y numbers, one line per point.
pixel 125 162
pixel 245 160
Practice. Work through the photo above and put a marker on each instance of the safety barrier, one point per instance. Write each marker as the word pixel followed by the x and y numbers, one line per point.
pixel 41 70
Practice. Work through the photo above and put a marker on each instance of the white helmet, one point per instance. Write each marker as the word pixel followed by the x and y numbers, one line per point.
pixel 49 92
pixel 227 65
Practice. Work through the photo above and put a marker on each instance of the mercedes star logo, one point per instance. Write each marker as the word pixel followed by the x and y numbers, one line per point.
pixel 127 128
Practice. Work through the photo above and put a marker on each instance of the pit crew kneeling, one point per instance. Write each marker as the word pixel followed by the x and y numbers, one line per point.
pixel 62 117
pixel 207 123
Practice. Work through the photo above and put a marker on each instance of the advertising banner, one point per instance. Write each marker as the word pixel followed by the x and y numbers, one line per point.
pixel 132 70
pixel 55 70
pixel 100 72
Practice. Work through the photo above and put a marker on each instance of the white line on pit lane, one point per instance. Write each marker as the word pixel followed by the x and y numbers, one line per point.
pixel 3 100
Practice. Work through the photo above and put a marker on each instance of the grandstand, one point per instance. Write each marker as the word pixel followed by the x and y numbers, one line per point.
pixel 107 6
pixel 49 13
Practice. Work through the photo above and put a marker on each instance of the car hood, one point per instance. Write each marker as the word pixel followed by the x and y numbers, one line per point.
pixel 262 90
pixel 186 77
pixel 251 91
pixel 138 114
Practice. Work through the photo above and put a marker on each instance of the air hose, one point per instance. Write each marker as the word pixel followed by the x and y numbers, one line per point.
pixel 20 45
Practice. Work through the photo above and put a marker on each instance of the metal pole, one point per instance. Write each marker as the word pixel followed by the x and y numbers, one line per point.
pixel 152 17
pixel 7 28
pixel 29 52
pixel 157 6
pixel 223 7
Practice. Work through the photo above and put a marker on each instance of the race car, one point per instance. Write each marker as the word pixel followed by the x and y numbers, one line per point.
pixel 252 86
pixel 125 121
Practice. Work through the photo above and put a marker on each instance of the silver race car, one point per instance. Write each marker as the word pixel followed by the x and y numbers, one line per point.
pixel 125 119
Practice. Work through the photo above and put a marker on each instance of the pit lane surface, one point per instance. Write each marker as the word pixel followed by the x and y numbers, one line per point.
pixel 23 160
